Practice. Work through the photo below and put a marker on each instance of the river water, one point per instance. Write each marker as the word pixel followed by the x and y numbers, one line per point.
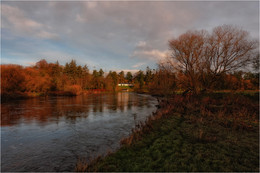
pixel 52 133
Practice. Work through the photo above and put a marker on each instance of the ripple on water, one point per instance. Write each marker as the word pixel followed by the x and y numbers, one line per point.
pixel 52 134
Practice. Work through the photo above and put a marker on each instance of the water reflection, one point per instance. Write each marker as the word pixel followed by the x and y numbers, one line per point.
pixel 50 134
pixel 43 110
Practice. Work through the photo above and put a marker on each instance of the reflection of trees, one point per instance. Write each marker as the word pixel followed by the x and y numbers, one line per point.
pixel 123 99
pixel 43 110
pixel 51 109
pixel 25 110
pixel 112 102
pixel 7 118
pixel 119 101
pixel 98 102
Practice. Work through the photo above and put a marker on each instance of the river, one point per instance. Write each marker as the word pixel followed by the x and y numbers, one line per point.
pixel 51 134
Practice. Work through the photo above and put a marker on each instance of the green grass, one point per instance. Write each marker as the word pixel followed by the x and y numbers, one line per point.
pixel 189 141
pixel 129 88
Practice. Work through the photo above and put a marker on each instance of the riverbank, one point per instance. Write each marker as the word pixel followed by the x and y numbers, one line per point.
pixel 94 124
pixel 217 132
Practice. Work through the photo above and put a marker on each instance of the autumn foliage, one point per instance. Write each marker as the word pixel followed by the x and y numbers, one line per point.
pixel 199 61
pixel 54 79
pixel 12 79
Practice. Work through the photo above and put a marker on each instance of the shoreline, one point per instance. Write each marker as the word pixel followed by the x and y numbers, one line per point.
pixel 200 135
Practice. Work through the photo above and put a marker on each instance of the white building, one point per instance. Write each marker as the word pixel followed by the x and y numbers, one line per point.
pixel 125 84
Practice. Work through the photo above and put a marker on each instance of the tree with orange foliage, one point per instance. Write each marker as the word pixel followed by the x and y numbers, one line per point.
pixel 12 79
pixel 37 80
pixel 42 64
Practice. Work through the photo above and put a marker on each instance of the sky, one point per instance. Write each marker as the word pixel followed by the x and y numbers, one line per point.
pixel 111 35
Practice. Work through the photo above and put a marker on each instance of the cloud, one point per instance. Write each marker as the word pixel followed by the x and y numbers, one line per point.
pixel 153 54
pixel 133 71
pixel 141 44
pixel 31 63
pixel 91 4
pixel 80 19
pixel 112 34
pixel 138 65
pixel 14 19
pixel 63 57
pixel 46 35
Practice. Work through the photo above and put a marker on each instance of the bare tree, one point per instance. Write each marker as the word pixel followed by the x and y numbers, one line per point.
pixel 202 57
pixel 255 63
pixel 188 52
pixel 228 49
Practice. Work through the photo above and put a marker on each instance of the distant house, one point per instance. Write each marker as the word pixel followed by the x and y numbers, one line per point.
pixel 125 84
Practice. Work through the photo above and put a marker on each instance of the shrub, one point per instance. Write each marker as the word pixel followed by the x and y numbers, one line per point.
pixel 74 89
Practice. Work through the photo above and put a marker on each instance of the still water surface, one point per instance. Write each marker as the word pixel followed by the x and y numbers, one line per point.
pixel 51 134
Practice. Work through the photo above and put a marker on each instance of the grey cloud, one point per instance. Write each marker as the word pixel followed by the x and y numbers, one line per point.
pixel 15 20
pixel 111 31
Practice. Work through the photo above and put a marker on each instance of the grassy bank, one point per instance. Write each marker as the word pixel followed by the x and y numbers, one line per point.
pixel 217 132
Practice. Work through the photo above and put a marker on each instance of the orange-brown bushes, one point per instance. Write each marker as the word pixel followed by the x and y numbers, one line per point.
pixel 37 80
pixel 81 166
pixel 236 112
pixel 163 83
pixel 74 89
pixel 12 79
pixel 42 79
pixel 232 111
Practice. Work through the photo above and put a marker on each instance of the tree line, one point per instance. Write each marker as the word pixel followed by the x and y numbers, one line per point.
pixel 199 61
pixel 45 78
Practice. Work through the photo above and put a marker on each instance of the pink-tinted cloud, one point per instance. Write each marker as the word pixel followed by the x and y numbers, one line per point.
pixel 119 34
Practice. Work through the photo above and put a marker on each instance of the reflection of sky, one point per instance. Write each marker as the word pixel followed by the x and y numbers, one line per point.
pixel 50 135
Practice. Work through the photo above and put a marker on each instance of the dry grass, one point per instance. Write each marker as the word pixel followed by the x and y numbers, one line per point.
pixel 82 165
pixel 144 128
pixel 207 133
